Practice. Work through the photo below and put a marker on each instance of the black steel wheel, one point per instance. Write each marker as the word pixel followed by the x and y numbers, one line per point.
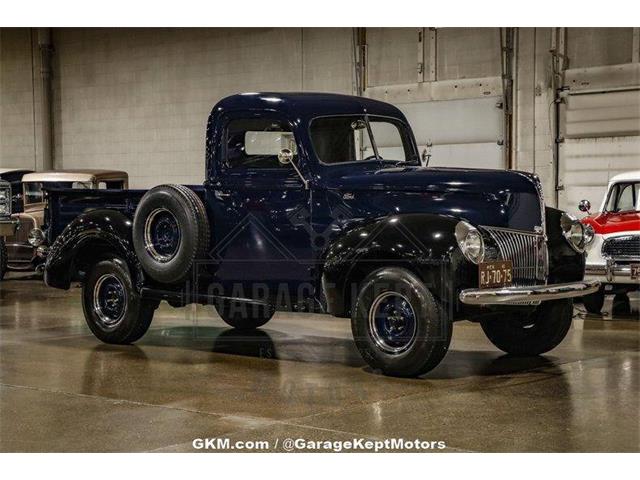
pixel 397 324
pixel 170 233
pixel 113 309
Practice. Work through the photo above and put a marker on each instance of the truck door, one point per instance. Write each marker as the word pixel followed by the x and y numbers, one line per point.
pixel 261 237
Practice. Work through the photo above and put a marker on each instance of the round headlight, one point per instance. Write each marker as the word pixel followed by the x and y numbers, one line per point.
pixel 36 237
pixel 589 234
pixel 573 231
pixel 470 242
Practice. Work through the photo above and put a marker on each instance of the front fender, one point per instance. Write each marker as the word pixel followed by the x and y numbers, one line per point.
pixel 89 238
pixel 422 243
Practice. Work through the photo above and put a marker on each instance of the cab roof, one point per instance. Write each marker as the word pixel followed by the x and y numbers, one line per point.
pixel 306 105
pixel 633 176
pixel 81 175
pixel 13 170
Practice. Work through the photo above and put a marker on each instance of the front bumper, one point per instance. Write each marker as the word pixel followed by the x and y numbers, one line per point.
pixel 533 294
pixel 8 228
pixel 610 272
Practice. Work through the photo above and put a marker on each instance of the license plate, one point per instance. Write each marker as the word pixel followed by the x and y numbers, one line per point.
pixel 635 271
pixel 495 274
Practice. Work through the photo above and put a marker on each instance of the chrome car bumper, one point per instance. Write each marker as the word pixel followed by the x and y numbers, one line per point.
pixel 611 272
pixel 518 295
pixel 8 228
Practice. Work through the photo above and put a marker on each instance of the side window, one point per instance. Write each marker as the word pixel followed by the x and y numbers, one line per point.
pixel 255 143
pixel 613 197
pixel 625 199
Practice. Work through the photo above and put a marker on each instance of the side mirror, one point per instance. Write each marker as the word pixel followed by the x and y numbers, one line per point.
pixel 285 156
pixel 426 155
pixel 584 206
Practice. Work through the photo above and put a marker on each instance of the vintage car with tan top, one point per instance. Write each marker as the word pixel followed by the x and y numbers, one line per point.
pixel 26 249
pixel 7 224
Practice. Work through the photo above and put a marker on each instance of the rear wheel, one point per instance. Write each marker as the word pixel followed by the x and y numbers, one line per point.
pixel 113 309
pixel 532 334
pixel 244 316
pixel 594 302
pixel 3 259
pixel 398 326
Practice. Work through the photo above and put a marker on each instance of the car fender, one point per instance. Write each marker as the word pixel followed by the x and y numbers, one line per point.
pixel 422 243
pixel 89 238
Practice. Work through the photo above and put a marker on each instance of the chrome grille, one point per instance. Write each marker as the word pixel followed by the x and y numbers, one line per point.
pixel 622 247
pixel 527 252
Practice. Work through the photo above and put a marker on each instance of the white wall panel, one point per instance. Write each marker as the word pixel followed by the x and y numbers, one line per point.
pixel 602 114
pixel 467 155
pixel 464 133
pixel 587 164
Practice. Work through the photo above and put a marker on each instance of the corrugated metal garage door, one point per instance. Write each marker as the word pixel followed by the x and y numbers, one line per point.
pixel 447 83
pixel 601 132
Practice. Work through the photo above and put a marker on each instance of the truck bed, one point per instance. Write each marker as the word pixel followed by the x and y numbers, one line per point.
pixel 65 204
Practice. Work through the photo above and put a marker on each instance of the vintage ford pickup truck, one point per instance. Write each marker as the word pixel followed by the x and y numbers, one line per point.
pixel 319 202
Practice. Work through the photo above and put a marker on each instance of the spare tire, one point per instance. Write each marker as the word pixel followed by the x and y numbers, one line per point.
pixel 170 232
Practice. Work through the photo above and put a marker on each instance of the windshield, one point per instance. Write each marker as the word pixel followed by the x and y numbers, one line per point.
pixel 624 197
pixel 353 138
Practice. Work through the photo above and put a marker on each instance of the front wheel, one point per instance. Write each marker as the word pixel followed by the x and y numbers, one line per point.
pixel 594 302
pixel 113 309
pixel 244 316
pixel 398 326
pixel 533 334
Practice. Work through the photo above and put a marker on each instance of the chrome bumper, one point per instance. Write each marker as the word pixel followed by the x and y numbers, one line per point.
pixel 8 228
pixel 611 272
pixel 534 294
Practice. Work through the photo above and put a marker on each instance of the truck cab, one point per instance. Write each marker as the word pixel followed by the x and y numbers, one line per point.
pixel 320 202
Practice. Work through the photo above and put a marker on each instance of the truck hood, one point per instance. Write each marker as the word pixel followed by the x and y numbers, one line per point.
pixel 501 198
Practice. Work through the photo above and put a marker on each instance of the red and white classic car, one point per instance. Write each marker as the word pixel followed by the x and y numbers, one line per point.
pixel 613 256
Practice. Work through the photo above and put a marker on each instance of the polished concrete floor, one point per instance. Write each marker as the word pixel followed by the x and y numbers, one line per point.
pixel 300 377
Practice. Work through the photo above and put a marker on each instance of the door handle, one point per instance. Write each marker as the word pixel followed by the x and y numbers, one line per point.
pixel 220 194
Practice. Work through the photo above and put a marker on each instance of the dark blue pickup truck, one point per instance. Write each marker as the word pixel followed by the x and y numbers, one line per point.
pixel 321 203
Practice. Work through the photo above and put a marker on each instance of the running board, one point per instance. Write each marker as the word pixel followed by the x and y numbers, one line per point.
pixel 183 298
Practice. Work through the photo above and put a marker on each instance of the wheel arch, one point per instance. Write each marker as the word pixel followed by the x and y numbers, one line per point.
pixel 395 241
pixel 91 238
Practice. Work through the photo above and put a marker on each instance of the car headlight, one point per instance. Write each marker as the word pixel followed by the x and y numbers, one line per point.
pixel 5 201
pixel 589 234
pixel 574 232
pixel 36 237
pixel 470 241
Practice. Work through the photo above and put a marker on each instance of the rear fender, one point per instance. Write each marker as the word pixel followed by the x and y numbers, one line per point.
pixel 90 238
